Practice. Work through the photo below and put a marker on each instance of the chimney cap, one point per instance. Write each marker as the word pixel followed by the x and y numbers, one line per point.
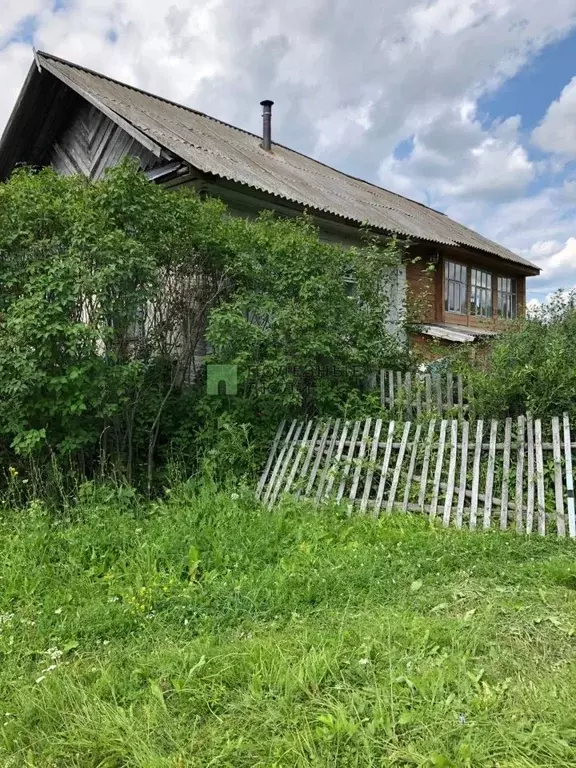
pixel 266 103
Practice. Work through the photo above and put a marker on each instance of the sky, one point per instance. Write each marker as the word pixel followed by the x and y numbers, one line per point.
pixel 466 105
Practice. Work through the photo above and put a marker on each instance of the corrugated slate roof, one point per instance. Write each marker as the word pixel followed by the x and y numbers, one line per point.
pixel 230 153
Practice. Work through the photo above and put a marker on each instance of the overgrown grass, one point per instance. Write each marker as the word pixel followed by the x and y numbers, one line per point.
pixel 205 631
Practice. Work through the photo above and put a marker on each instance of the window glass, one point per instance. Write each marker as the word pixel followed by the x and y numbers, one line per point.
pixel 480 293
pixel 507 298
pixel 456 279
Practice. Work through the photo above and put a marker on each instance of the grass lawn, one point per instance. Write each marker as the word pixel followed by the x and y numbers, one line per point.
pixel 205 631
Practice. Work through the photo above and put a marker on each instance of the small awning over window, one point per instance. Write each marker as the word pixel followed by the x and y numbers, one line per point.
pixel 459 333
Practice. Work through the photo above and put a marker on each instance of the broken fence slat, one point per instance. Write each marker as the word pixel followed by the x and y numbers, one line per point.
pixel 337 458
pixel 278 464
pixel 308 459
pixel 490 474
pixel 463 475
pixel 370 470
pixel 358 468
pixel 285 465
pixel 451 473
pixel 476 474
pixel 540 477
pixel 346 470
pixel 327 462
pixel 569 477
pixel 318 458
pixel 558 489
pixel 520 471
pixel 398 468
pixel 298 459
pixel 438 470
pixel 530 489
pixel 271 457
pixel 411 467
pixel 384 470
pixel 426 463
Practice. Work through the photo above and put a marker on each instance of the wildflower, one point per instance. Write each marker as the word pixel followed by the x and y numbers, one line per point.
pixel 51 668
pixel 462 718
pixel 39 679
pixel 363 662
pixel 13 472
pixel 58 611
pixel 54 653
pixel 235 496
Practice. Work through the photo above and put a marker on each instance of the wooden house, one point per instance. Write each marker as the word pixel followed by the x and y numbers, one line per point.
pixel 79 121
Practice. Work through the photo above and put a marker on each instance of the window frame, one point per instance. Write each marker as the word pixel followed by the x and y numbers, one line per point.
pixel 510 297
pixel 452 280
pixel 481 298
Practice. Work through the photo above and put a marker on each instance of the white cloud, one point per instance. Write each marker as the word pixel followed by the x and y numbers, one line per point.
pixel 351 80
pixel 557 131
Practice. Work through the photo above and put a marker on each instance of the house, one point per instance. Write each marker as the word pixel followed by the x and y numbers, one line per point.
pixel 79 121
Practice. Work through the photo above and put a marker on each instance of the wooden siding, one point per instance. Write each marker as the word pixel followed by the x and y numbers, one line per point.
pixel 92 142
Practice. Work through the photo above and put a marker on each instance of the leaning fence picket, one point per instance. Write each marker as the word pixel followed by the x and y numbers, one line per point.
pixel 398 468
pixel 519 471
pixel 337 459
pixel 411 467
pixel 530 491
pixel 327 461
pixel 438 470
pixel 476 474
pixel 463 475
pixel 358 468
pixel 558 490
pixel 540 477
pixel 384 470
pixel 279 462
pixel 370 470
pixel 426 464
pixel 348 463
pixel 505 475
pixel 490 475
pixel 569 477
pixel 451 473
pixel 285 465
pixel 298 459
pixel 271 457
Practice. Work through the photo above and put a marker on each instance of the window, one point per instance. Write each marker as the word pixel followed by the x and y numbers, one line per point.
pixel 507 297
pixel 481 293
pixel 455 288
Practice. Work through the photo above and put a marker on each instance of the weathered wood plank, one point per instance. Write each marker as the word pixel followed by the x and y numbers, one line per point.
pixel 476 474
pixel 530 461
pixel 540 477
pixel 271 457
pixel 307 460
pixel 285 464
pixel 426 463
pixel 299 456
pixel 411 467
pixel 348 464
pixel 398 468
pixel 490 474
pixel 505 474
pixel 558 487
pixel 463 475
pixel 337 459
pixel 370 470
pixel 318 459
pixel 428 382
pixel 359 460
pixel 520 471
pixel 384 470
pixel 569 477
pixel 327 461
pixel 278 464
pixel 438 470
pixel 451 473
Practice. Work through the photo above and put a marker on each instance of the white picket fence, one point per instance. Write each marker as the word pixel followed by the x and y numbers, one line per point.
pixel 511 474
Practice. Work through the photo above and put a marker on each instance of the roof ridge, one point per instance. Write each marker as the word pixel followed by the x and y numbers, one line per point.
pixel 229 125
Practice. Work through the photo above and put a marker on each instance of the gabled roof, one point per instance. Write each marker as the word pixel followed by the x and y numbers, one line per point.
pixel 219 149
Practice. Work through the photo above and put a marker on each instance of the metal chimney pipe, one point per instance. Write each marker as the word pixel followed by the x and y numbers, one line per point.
pixel 267 124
